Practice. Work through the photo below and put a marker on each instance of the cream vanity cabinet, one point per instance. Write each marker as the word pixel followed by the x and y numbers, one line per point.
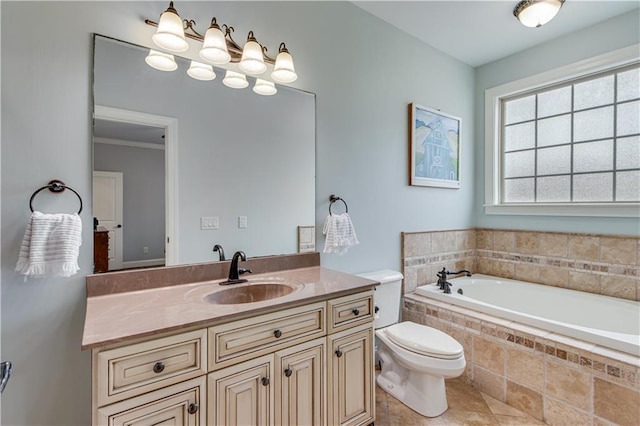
pixel 306 365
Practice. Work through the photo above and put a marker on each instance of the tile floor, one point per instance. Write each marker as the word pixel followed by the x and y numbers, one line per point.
pixel 467 406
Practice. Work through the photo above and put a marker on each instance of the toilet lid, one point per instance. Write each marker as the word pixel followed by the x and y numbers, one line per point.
pixel 424 340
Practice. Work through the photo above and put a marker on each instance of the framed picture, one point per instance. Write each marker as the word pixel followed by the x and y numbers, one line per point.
pixel 306 239
pixel 434 144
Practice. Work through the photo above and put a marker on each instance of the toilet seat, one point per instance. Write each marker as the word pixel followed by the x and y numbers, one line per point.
pixel 424 340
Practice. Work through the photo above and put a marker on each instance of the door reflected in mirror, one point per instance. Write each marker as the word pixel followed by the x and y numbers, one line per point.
pixel 201 164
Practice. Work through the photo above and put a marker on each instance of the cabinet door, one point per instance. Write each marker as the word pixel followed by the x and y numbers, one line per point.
pixel 300 385
pixel 241 395
pixel 175 405
pixel 350 375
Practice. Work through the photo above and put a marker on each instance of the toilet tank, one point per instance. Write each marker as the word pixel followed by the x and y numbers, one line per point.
pixel 386 296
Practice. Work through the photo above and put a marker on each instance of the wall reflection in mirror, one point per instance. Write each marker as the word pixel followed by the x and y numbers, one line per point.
pixel 181 165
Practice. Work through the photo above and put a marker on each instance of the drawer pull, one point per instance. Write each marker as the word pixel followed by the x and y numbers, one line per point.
pixel 277 333
pixel 288 372
pixel 265 381
pixel 193 408
pixel 356 312
pixel 338 353
pixel 158 367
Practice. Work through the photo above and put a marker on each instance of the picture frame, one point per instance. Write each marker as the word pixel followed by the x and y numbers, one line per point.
pixel 306 239
pixel 434 147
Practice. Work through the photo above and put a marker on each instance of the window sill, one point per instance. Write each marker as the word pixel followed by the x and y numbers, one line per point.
pixel 586 209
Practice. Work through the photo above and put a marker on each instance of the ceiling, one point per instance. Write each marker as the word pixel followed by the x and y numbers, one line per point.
pixel 131 132
pixel 478 32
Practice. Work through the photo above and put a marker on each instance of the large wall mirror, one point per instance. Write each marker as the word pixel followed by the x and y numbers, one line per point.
pixel 181 165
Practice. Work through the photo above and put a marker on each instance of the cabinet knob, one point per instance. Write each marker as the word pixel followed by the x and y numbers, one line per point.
pixel 277 333
pixel 356 312
pixel 338 353
pixel 265 381
pixel 288 372
pixel 158 367
pixel 193 408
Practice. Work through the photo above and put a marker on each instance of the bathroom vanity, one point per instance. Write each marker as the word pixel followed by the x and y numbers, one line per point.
pixel 174 354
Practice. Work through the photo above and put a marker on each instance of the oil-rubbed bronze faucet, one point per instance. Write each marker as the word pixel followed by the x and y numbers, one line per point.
pixel 442 278
pixel 220 251
pixel 235 271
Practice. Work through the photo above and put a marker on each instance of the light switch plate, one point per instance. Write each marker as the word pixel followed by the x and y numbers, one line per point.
pixel 209 222
pixel 242 221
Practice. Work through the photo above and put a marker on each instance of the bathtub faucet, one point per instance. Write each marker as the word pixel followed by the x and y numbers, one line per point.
pixel 443 284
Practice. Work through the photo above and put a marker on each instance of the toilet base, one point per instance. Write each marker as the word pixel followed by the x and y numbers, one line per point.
pixel 423 393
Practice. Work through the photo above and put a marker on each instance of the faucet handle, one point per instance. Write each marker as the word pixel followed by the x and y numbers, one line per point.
pixel 244 271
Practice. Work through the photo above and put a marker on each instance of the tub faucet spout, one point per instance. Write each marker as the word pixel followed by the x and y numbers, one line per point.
pixel 443 284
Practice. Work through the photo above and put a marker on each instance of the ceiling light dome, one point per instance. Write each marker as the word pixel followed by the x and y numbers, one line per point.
pixel 536 13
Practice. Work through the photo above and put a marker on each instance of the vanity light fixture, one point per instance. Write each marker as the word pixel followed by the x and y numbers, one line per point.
pixel 536 13
pixel 283 71
pixel 264 87
pixel 219 48
pixel 252 61
pixel 170 34
pixel 161 61
pixel 214 46
pixel 201 71
pixel 235 80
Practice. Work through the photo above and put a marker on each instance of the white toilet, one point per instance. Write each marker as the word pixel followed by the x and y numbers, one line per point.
pixel 415 359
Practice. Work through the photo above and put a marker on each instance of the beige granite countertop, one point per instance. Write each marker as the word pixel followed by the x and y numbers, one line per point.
pixel 115 318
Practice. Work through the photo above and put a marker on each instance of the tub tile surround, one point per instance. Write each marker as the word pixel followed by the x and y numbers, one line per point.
pixel 601 264
pixel 553 378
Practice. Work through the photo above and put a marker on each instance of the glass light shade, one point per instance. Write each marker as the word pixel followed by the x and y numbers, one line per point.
pixel 252 61
pixel 201 71
pixel 283 71
pixel 161 61
pixel 170 33
pixel 214 47
pixel 235 80
pixel 535 13
pixel 264 87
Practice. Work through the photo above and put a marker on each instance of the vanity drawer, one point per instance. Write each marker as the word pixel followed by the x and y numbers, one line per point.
pixel 350 311
pixel 237 341
pixel 132 370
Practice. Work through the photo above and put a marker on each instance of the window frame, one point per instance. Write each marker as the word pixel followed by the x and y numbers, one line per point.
pixel 493 138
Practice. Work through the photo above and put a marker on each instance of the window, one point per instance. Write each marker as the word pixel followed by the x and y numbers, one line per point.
pixel 567 142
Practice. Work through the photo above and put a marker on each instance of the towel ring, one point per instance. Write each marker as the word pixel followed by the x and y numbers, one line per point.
pixel 54 186
pixel 333 199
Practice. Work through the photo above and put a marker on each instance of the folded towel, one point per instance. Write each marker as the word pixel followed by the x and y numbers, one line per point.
pixel 340 233
pixel 51 245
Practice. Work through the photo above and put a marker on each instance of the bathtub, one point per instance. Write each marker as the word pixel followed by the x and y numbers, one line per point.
pixel 601 320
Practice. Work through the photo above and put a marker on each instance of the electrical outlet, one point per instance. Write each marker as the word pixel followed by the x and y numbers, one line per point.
pixel 242 221
pixel 209 222
pixel 145 250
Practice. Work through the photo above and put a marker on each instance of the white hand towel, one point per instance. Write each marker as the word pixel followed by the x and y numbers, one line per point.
pixel 51 245
pixel 340 233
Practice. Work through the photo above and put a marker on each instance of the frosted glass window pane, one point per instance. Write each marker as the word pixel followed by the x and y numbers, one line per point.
pixel 593 187
pixel 518 191
pixel 593 124
pixel 628 186
pixel 519 136
pixel 554 161
pixel 520 110
pixel 554 102
pixel 593 156
pixel 628 153
pixel 554 131
pixel 593 93
pixel 628 121
pixel 519 164
pixel 629 85
pixel 554 189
